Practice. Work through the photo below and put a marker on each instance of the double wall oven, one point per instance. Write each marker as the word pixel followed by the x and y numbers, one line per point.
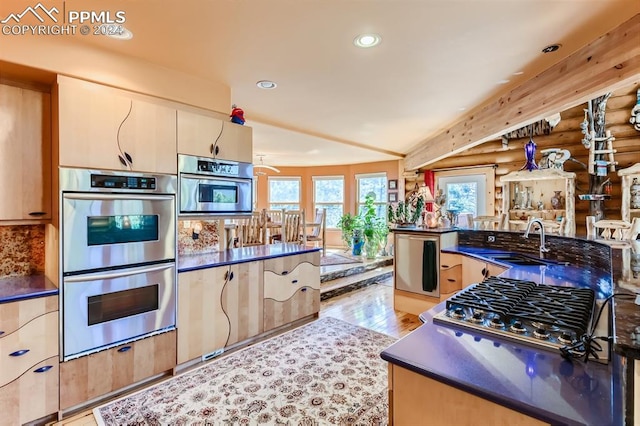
pixel 118 258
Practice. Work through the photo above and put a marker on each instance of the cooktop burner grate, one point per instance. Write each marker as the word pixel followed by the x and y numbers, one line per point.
pixel 535 313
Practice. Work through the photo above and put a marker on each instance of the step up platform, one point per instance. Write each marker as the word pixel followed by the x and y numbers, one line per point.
pixel 336 280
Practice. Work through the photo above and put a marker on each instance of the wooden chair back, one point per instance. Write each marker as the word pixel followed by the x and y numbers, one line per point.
pixel 251 230
pixel 613 232
pixel 293 227
pixel 318 230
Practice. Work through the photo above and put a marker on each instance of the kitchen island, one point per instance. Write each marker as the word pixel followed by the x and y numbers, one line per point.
pixel 442 373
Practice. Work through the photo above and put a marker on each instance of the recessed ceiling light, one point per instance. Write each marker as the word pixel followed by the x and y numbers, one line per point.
pixel 367 40
pixel 551 48
pixel 462 109
pixel 120 33
pixel 266 84
pixel 505 81
pixel 518 73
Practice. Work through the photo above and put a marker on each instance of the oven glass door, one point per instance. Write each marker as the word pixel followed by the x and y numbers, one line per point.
pixel 105 309
pixel 215 195
pixel 104 231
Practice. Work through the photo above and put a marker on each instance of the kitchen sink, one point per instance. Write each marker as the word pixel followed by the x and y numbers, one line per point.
pixel 520 259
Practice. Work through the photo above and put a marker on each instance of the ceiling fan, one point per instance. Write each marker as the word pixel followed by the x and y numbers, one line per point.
pixel 263 166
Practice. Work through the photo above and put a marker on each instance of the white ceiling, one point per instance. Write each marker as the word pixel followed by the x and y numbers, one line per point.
pixel 436 58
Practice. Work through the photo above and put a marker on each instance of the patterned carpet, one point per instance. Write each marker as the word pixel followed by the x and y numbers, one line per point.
pixel 325 372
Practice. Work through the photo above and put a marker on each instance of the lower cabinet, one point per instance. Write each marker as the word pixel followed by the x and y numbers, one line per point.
pixel 450 273
pixel 475 270
pixel 218 307
pixel 98 374
pixel 291 289
pixel 28 360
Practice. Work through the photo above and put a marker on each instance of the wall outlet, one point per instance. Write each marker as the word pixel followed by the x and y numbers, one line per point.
pixel 491 238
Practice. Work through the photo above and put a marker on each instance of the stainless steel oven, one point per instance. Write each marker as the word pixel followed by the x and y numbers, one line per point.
pixel 212 186
pixel 118 253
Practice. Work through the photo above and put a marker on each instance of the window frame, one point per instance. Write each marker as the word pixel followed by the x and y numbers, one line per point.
pixel 317 204
pixel 382 202
pixel 298 203
pixel 460 175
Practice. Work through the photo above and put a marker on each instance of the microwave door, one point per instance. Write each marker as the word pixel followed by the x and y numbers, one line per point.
pixel 114 230
pixel 199 194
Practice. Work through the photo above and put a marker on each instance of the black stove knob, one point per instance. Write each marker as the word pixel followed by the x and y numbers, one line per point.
pixel 517 324
pixel 458 311
pixel 565 337
pixel 496 320
pixel 477 315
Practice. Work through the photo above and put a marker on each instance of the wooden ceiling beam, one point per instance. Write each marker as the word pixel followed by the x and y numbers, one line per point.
pixel 606 64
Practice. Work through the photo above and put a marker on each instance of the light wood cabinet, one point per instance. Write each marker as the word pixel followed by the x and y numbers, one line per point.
pixel 203 326
pixel 25 154
pixel 98 374
pixel 242 301
pixel 291 289
pixel 475 270
pixel 450 273
pixel 523 190
pixel 206 135
pixel 105 128
pixel 30 358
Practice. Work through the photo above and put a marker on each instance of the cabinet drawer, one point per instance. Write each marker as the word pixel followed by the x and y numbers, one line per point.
pixel 447 260
pixel 451 279
pixel 16 314
pixel 29 345
pixel 282 287
pixel 304 302
pixel 33 395
pixel 98 374
pixel 280 265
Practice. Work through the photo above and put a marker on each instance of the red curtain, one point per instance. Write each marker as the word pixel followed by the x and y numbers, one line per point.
pixel 429 181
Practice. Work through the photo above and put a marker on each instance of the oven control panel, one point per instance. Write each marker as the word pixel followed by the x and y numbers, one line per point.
pixel 218 168
pixel 122 182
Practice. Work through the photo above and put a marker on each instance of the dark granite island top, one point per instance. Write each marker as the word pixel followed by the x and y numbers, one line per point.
pixel 192 262
pixel 14 289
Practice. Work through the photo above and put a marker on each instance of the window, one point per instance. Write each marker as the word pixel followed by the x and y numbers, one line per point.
pixel 284 193
pixel 254 194
pixel 328 193
pixel 468 191
pixel 375 183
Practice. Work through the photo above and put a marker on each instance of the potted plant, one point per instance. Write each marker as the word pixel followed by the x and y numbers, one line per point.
pixel 374 227
pixel 348 224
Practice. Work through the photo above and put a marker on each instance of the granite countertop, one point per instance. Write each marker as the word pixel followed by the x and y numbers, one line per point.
pixel 536 382
pixel 539 383
pixel 193 262
pixel 13 289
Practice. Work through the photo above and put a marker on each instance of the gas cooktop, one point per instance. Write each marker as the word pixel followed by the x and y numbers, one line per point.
pixel 535 314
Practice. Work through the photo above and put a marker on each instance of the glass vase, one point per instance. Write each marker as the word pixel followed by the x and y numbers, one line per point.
pixel 371 248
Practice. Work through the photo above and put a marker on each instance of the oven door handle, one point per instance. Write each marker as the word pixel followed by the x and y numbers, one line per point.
pixel 93 196
pixel 213 178
pixel 117 274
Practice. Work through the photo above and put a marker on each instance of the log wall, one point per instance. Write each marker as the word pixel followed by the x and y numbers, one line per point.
pixel 566 135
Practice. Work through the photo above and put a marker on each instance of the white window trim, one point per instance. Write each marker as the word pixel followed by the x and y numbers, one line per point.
pixel 283 178
pixel 490 179
pixel 334 177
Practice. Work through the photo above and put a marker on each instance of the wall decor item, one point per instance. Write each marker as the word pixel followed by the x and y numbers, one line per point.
pixel 530 155
pixel 393 183
pixel 393 197
pixel 635 113
pixel 557 200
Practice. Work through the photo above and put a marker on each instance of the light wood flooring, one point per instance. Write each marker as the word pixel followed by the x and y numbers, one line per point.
pixel 370 307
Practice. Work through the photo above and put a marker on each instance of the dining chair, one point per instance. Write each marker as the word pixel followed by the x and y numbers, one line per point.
pixel 251 230
pixel 293 228
pixel 318 230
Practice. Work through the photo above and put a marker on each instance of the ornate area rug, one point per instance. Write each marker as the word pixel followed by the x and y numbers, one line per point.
pixel 325 372
pixel 337 259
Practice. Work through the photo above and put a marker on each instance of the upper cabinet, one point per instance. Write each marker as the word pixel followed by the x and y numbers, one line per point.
pixel 105 128
pixel 25 154
pixel 547 194
pixel 205 135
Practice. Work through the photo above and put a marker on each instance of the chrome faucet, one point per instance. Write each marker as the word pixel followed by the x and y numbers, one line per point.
pixel 543 248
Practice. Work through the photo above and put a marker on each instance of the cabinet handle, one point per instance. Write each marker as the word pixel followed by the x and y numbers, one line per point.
pixel 285 272
pixel 230 275
pixel 1 332
pixel 128 157
pixel 124 348
pixel 485 272
pixel 451 280
pixel 445 266
pixel 122 160
pixel 19 353
pixel 303 289
pixel 294 282
pixel 43 369
pixel 37 213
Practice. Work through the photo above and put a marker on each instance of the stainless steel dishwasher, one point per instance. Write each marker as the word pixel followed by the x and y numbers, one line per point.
pixel 417 263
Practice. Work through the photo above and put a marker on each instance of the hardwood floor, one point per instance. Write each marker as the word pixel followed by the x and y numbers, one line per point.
pixel 370 307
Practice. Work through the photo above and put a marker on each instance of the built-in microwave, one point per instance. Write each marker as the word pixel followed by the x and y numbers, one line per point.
pixel 212 186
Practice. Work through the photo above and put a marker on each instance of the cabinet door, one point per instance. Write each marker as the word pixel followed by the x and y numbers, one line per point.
pixel 94 375
pixel 207 136
pixel 242 301
pixel 473 271
pixel 25 154
pixel 98 126
pixel 203 326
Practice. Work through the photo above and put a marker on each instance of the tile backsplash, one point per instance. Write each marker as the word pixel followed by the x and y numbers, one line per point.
pixel 21 250
pixel 206 231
